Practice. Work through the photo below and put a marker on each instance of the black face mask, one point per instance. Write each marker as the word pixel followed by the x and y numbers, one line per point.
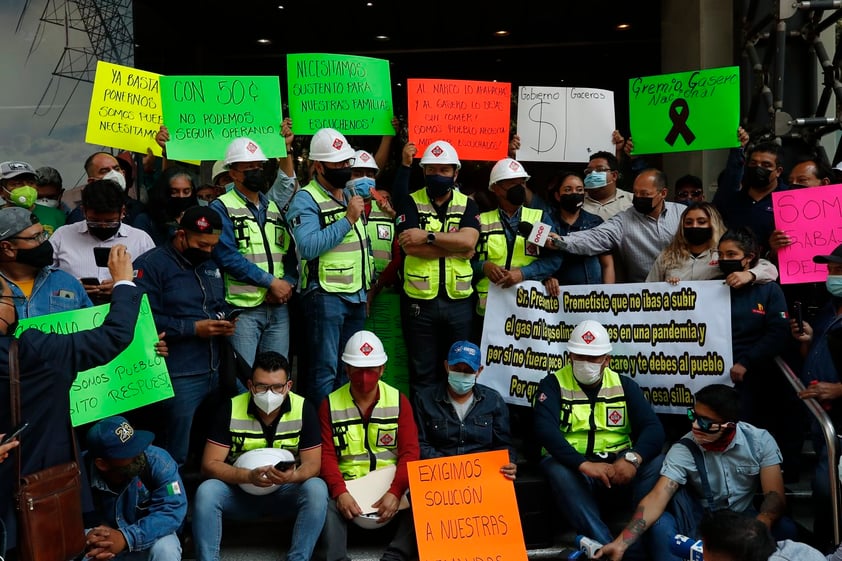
pixel 643 205
pixel 195 255
pixel 38 257
pixel 697 236
pixel 103 233
pixel 438 185
pixel 756 177
pixel 728 266
pixel 516 195
pixel 254 180
pixel 571 202
pixel 177 205
pixel 336 177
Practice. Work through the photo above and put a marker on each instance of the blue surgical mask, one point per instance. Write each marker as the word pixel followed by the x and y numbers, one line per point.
pixel 834 285
pixel 361 186
pixel 460 382
pixel 596 179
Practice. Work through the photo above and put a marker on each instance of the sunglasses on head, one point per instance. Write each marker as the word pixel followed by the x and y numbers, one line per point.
pixel 705 424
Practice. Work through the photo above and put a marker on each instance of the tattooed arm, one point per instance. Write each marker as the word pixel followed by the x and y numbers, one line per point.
pixel 648 511
pixel 774 501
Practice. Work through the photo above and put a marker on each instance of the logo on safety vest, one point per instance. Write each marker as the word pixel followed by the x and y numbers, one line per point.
pixel 383 232
pixel 386 437
pixel 588 337
pixel 366 349
pixel 615 416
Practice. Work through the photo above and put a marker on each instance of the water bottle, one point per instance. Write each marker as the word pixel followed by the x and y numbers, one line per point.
pixel 587 546
pixel 686 548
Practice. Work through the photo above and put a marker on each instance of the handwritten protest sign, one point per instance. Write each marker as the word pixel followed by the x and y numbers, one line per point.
pixel 563 124
pixel 465 510
pixel 672 340
pixel 686 111
pixel 205 113
pixel 125 109
pixel 812 217
pixel 137 377
pixel 472 116
pixel 352 94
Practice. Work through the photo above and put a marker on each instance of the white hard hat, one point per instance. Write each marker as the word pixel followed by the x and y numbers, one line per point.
pixel 260 457
pixel 243 150
pixel 364 348
pixel 218 169
pixel 364 160
pixel 589 338
pixel 329 145
pixel 507 168
pixel 440 152
pixel 369 521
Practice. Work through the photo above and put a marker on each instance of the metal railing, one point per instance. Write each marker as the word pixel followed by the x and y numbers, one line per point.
pixel 829 433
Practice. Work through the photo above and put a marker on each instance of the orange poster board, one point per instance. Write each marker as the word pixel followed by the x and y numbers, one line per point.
pixel 465 509
pixel 472 116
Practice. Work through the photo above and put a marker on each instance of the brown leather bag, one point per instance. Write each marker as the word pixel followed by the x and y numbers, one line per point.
pixel 49 502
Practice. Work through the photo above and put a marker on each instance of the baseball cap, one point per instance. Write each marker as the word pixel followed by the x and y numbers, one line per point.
pixel 114 438
pixel 465 352
pixel 834 257
pixel 12 169
pixel 202 220
pixel 14 219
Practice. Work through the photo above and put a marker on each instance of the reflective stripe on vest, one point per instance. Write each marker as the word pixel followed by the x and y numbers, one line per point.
pixel 346 267
pixel 492 246
pixel 247 432
pixel 421 276
pixel 381 233
pixel 608 415
pixel 252 243
pixel 363 447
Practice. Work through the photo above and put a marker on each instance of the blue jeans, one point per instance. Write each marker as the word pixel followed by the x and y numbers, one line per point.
pixel 579 498
pixel 329 321
pixel 262 328
pixel 432 326
pixel 215 499
pixel 180 409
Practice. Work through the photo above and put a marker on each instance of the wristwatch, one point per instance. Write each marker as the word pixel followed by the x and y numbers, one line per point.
pixel 431 237
pixel 632 458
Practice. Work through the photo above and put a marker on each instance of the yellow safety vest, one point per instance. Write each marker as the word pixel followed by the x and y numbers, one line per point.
pixel 247 432
pixel 421 276
pixel 493 246
pixel 611 430
pixel 264 247
pixel 360 447
pixel 381 233
pixel 346 267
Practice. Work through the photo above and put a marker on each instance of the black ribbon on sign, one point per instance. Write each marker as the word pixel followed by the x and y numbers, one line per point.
pixel 679 123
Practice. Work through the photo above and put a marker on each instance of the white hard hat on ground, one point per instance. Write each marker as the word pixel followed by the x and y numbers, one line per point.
pixel 364 348
pixel 440 152
pixel 330 145
pixel 589 338
pixel 507 168
pixel 260 457
pixel 243 150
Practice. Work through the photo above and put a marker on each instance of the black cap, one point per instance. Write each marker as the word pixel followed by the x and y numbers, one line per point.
pixel 201 219
pixel 835 257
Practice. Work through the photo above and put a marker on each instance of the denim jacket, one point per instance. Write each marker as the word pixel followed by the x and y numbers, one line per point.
pixel 53 291
pixel 150 507
pixel 441 433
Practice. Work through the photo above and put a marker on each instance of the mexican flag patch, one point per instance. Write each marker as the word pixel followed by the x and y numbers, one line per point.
pixel 173 488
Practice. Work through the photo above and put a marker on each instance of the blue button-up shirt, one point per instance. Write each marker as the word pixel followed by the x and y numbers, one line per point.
pixel 53 291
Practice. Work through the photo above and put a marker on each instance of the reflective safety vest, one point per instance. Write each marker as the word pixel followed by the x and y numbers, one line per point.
pixel 421 275
pixel 347 267
pixel 381 233
pixel 599 427
pixel 247 432
pixel 493 246
pixel 362 446
pixel 264 247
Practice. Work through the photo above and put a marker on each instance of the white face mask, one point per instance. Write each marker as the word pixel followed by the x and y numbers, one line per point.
pixel 587 373
pixel 117 177
pixel 51 203
pixel 268 401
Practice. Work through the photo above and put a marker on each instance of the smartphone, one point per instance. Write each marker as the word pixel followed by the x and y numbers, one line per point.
pixel 799 318
pixel 284 465
pixel 89 280
pixel 101 256
pixel 14 434
pixel 234 314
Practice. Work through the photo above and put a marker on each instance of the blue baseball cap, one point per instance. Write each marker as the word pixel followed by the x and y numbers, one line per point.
pixel 466 353
pixel 115 439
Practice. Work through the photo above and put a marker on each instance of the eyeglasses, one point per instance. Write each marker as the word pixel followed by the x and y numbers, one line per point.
pixel 349 163
pixel 688 194
pixel 705 424
pixel 263 388
pixel 110 224
pixel 41 236
pixel 600 168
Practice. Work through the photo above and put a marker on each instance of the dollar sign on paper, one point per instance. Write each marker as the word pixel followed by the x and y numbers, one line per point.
pixel 548 138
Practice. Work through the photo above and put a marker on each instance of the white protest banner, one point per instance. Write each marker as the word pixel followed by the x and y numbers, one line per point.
pixel 673 340
pixel 563 124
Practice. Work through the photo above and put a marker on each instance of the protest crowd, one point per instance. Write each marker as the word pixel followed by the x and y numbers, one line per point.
pixel 323 318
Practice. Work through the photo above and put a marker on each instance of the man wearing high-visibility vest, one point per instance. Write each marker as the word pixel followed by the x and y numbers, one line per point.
pixel 602 441
pixel 438 228
pixel 367 425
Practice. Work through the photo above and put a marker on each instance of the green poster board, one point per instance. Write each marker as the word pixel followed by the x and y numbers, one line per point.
pixel 687 111
pixel 137 377
pixel 205 113
pixel 352 94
